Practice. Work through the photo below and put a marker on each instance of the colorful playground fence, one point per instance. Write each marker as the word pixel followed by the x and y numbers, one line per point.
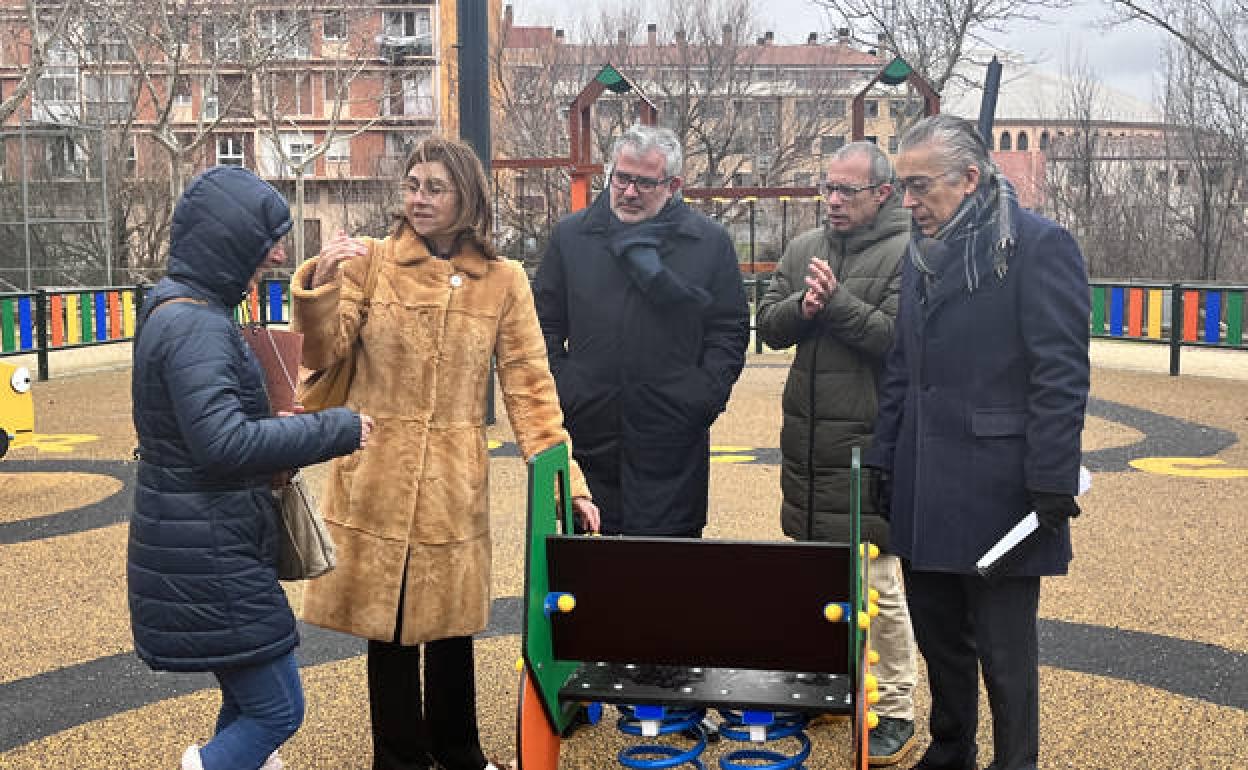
pixel 45 321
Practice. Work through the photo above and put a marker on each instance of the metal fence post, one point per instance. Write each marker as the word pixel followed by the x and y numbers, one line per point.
pixel 1176 327
pixel 41 334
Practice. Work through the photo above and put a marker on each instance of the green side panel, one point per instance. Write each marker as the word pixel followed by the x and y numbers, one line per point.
pixel 1235 318
pixel 1098 311
pixel 86 303
pixel 8 338
pixel 545 512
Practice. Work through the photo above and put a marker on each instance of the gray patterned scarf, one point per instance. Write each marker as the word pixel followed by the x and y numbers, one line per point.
pixel 982 230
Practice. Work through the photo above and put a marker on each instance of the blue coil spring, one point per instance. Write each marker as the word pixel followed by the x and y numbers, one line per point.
pixel 734 728
pixel 657 756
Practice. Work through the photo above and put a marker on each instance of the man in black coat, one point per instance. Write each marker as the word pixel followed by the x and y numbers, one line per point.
pixel 646 325
pixel 981 411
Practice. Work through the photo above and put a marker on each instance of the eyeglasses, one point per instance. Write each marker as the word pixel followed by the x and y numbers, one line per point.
pixel 918 186
pixel 431 188
pixel 845 190
pixel 644 184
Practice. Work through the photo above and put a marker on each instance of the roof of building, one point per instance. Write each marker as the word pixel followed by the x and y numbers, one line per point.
pixel 1030 94
pixel 763 54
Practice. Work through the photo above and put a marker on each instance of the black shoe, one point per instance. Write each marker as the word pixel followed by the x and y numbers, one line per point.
pixel 890 741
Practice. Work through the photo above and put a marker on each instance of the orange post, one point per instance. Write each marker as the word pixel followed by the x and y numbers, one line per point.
pixel 1191 315
pixel 1135 312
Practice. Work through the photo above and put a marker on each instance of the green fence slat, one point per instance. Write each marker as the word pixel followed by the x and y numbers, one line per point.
pixel 8 340
pixel 1235 318
pixel 85 303
pixel 1098 311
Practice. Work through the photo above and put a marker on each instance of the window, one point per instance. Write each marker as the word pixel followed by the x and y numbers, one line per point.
pixel 805 111
pixel 182 91
pixel 107 97
pixel 105 42
pixel 334 25
pixel 230 151
pixel 871 139
pixel 1180 177
pixel 407 33
pixel 290 93
pixel 284 33
pixel 834 109
pixel 58 84
pixel 1022 140
pixel 409 96
pixel 66 159
pixel 132 157
pixel 339 150
pixel 872 108
pixel 221 39
pixel 892 144
pixel 1006 144
pixel 292 145
pixel 830 144
pixel 1044 140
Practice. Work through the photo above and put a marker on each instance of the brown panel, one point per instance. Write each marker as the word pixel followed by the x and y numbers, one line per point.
pixel 701 602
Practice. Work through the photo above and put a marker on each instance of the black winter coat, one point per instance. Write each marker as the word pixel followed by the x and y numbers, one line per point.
pixel 983 399
pixel 203 589
pixel 640 381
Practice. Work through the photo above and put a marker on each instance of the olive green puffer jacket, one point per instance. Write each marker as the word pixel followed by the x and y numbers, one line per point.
pixel 840 352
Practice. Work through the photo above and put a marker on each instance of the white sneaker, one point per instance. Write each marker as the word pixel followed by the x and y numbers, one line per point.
pixel 274 762
pixel 190 758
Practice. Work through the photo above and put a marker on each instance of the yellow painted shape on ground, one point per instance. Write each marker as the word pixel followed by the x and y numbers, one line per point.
pixel 58 443
pixel 493 444
pixel 1189 467
pixel 732 454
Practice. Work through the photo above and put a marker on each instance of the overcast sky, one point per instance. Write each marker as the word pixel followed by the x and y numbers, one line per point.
pixel 1125 59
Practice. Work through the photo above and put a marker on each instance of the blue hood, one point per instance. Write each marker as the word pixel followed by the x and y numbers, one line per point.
pixel 224 224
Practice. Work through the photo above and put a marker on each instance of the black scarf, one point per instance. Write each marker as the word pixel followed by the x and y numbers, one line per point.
pixel 636 246
pixel 982 232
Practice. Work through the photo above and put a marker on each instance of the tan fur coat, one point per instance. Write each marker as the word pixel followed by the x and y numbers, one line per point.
pixel 418 494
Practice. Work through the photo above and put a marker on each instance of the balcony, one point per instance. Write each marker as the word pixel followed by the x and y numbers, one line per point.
pixel 396 49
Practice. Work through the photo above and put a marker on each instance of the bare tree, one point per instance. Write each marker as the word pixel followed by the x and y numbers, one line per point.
pixel 1213 30
pixel 45 29
pixel 935 37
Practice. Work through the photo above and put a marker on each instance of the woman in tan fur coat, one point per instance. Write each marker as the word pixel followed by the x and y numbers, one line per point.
pixel 410 518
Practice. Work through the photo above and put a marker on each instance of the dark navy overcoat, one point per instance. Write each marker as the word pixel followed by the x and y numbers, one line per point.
pixel 203 588
pixel 641 382
pixel 983 398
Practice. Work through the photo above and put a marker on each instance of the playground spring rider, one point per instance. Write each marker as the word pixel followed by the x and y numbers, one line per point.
pixel 746 650
pixel 17 405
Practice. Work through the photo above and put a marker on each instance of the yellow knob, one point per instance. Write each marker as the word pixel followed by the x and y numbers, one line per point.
pixel 871 683
pixel 873 551
pixel 873 595
pixel 519 664
pixel 566 603
pixel 873 720
pixel 873 609
pixel 834 612
pixel 873 657
pixel 873 697
pixel 864 621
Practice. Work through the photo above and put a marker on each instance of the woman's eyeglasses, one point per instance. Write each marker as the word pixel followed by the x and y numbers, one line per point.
pixel 431 188
pixel 644 184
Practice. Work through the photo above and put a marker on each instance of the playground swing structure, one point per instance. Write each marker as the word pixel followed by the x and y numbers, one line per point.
pixel 607 620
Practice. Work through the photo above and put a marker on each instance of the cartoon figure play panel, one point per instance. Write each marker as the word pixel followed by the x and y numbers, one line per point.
pixel 17 406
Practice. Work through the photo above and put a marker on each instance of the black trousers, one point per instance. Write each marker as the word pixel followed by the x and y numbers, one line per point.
pixel 409 731
pixel 963 622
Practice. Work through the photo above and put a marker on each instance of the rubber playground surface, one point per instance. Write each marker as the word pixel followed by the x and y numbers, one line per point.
pixel 1144 646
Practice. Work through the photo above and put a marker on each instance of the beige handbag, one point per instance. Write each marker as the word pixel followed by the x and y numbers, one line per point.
pixel 305 549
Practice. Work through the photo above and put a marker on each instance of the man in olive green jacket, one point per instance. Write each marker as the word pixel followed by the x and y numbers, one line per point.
pixel 834 295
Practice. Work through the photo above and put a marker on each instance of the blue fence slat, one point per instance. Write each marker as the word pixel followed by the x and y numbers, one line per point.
pixel 101 316
pixel 1116 296
pixel 25 324
pixel 1213 316
pixel 275 302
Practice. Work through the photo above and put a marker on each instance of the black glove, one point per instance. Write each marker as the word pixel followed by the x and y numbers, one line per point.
pixel 1053 508
pixel 882 494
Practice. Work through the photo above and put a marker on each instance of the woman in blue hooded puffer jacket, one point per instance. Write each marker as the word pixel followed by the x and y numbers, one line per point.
pixel 202 581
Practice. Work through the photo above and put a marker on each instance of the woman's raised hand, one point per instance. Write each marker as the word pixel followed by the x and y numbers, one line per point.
pixel 329 261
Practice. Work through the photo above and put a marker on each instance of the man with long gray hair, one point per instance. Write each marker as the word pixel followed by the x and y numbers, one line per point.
pixel 646 324
pixel 981 410
pixel 834 296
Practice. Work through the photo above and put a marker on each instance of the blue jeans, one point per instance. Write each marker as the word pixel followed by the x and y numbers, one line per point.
pixel 261 707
